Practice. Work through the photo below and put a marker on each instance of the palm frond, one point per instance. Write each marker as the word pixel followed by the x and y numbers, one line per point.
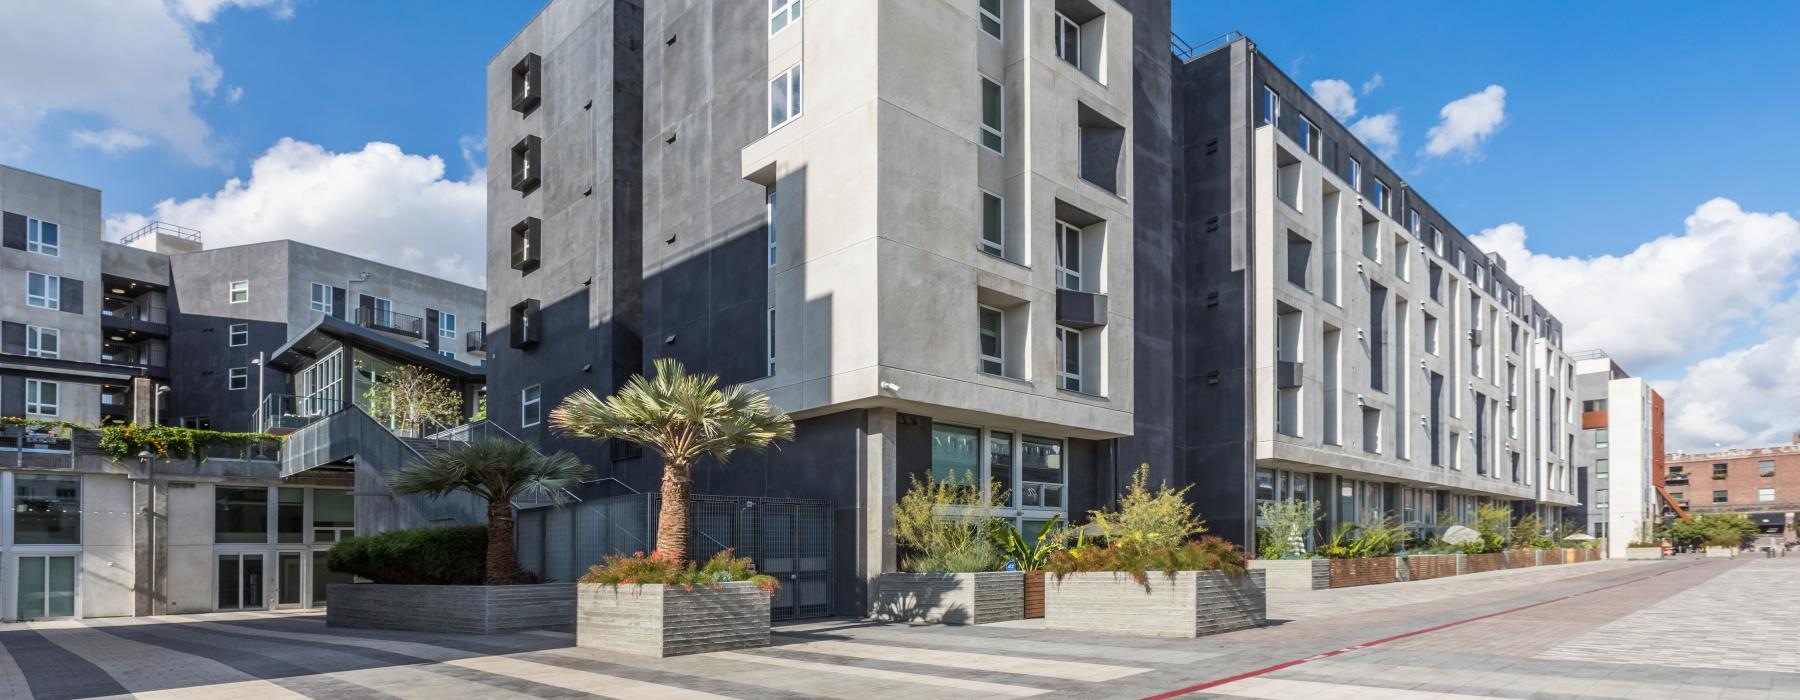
pixel 494 470
pixel 680 415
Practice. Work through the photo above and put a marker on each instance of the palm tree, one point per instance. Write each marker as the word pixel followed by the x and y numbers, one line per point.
pixel 684 417
pixel 499 472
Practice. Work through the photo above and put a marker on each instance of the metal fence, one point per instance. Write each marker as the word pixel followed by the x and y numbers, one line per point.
pixel 788 539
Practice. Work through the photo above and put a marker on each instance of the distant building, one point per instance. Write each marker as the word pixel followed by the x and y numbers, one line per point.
pixel 1620 452
pixel 1762 483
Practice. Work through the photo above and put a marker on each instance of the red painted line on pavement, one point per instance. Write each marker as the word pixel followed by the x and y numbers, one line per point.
pixel 1403 635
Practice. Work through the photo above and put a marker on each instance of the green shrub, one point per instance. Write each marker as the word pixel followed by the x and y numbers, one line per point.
pixel 1208 553
pixel 429 555
pixel 638 569
pixel 125 442
pixel 947 527
pixel 1030 554
pixel 1149 519
pixel 1374 536
pixel 1284 537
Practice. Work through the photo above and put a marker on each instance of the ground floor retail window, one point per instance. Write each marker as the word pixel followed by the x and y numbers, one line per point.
pixel 44 586
pixel 1028 471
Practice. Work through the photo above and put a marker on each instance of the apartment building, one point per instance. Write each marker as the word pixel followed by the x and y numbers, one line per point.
pixel 1619 455
pixel 1761 483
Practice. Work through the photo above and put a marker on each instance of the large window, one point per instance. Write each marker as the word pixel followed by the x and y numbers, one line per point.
pixel 240 515
pixel 43 342
pixel 993 341
pixel 1000 466
pixel 43 291
pixel 290 515
pixel 1380 195
pixel 993 109
pixel 237 335
pixel 240 291
pixel 993 224
pixel 955 454
pixel 42 398
pixel 782 13
pixel 1309 137
pixel 1068 256
pixel 42 237
pixel 1765 467
pixel 321 298
pixel 333 515
pixel 1040 473
pixel 46 509
pixel 990 17
pixel 784 97
pixel 531 406
pixel 446 325
pixel 1355 175
pixel 1068 367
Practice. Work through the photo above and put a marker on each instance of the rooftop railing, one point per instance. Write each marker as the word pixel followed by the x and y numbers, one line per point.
pixel 1187 51
pixel 163 228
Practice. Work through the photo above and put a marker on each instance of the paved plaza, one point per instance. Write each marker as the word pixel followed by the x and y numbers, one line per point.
pixel 1641 630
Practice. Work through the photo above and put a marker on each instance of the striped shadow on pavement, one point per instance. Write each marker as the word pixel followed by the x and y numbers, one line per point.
pixel 1016 691
pixel 1067 670
pixel 579 680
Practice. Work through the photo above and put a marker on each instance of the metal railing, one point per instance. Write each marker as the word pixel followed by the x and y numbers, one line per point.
pixel 162 228
pixel 390 321
pixel 475 341
pixel 287 413
pixel 1188 51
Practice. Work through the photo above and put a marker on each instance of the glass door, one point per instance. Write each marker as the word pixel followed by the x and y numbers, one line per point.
pixel 240 581
pixel 288 580
pixel 46 586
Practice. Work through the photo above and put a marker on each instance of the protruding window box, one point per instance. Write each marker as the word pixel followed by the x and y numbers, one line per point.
pixel 527 83
pixel 475 341
pixel 527 235
pixel 974 598
pixel 1080 310
pixel 1184 604
pixel 1287 374
pixel 526 324
pixel 527 161
pixel 671 620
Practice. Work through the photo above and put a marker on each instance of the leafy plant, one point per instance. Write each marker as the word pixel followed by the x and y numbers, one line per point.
pixel 414 399
pixel 1714 529
pixel 124 442
pixel 445 556
pixel 1152 530
pixel 683 417
pixel 499 472
pixel 1149 518
pixel 947 526
pixel 1528 532
pixel 638 569
pixel 1492 522
pixel 1207 553
pixel 1374 536
pixel 1030 555
pixel 1284 535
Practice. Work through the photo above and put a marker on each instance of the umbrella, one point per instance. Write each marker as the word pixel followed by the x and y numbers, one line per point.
pixel 1580 536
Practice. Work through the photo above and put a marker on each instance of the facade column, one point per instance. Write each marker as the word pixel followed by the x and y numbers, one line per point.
pixel 876 493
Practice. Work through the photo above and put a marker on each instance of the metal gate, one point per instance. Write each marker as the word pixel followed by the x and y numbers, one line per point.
pixel 787 538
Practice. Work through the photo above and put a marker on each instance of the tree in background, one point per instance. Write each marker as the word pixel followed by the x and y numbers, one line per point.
pixel 414 399
pixel 1713 529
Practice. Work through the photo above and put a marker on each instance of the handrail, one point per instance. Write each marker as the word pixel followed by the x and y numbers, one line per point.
pixel 1187 51
pixel 161 228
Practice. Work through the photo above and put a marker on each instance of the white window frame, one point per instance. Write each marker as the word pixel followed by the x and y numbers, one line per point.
pixel 1307 142
pixel 34 342
pixel 1272 108
pixel 1068 234
pixel 239 286
pixel 1068 339
pixel 232 333
pixel 769 220
pixel 1765 495
pixel 51 298
pixel 35 405
pixel 999 30
pixel 791 80
pixel 1356 175
pixel 992 247
pixel 999 334
pixel 447 354
pixel 382 311
pixel 321 305
pixel 787 12
pixel 769 343
pixel 998 131
pixel 446 325
pixel 34 238
pixel 1065 29
pixel 237 379
pixel 536 404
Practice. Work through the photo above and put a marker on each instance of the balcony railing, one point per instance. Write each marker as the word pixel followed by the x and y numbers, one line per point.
pixel 163 228
pixel 1676 478
pixel 285 413
pixel 390 322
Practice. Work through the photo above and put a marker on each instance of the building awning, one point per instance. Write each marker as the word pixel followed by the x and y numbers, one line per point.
pixel 67 370
pixel 329 333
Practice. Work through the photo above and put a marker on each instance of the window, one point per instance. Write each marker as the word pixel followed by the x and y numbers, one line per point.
pixel 237 335
pixel 1431 334
pixel 43 291
pixel 526 92
pixel 381 311
pixel 321 298
pixel 527 155
pixel 1380 195
pixel 531 406
pixel 1602 497
pixel 1299 258
pixel 1721 471
pixel 992 113
pixel 523 323
pixel 446 325
pixel 1371 418
pixel 196 422
pixel 240 515
pixel 771 341
pixel 769 220
pixel 1412 222
pixel 447 354
pixel 1765 495
pixel 1041 473
pixel 1355 175
pixel 1600 439
pixel 1308 136
pixel 1068 40
pixel 993 224
pixel 333 515
pixel 1000 465
pixel 1068 256
pixel 237 378
pixel 1272 110
pixel 43 342
pixel 525 236
pixel 1765 468
pixel 1721 497
pixel 1068 366
pixel 46 509
pixel 993 346
pixel 782 13
pixel 990 17
pixel 955 454
pixel 1601 467
pixel 41 397
pixel 784 97
pixel 1593 405
pixel 240 291
pixel 290 515
pixel 42 237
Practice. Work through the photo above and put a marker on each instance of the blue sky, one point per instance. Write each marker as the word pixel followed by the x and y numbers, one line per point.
pixel 1635 167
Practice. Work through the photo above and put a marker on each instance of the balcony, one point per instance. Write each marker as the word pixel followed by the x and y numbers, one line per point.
pixel 281 414
pixel 1080 310
pixel 388 321
pixel 130 321
pixel 475 341
pixel 1676 478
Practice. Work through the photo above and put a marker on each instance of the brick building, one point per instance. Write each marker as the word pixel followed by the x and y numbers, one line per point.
pixel 1762 483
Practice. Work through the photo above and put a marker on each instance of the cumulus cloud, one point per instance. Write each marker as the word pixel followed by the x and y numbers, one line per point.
pixel 1466 123
pixel 136 64
pixel 1380 132
pixel 1662 310
pixel 1373 83
pixel 379 203
pixel 1336 97
pixel 111 141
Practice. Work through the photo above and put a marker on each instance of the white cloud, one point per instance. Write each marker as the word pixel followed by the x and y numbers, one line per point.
pixel 136 64
pixel 111 141
pixel 1380 132
pixel 1664 308
pixel 1373 84
pixel 378 203
pixel 1336 97
pixel 1467 123
pixel 234 94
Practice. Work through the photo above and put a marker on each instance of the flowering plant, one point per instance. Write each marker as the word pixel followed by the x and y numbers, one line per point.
pixel 641 569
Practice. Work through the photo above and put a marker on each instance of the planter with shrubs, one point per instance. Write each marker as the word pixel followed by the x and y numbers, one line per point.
pixel 430 580
pixel 654 606
pixel 961 563
pixel 1420 567
pixel 1281 552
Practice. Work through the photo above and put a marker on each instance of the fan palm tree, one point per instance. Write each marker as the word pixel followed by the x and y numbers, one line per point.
pixel 499 472
pixel 684 417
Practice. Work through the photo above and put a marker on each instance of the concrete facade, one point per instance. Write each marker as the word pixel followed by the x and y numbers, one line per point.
pixel 1619 453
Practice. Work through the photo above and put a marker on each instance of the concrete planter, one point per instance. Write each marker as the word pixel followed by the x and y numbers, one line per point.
pixel 1364 571
pixel 1490 561
pixel 1428 566
pixel 1185 604
pixel 1294 574
pixel 1642 553
pixel 667 620
pixel 1034 595
pixel 1721 552
pixel 464 609
pixel 959 599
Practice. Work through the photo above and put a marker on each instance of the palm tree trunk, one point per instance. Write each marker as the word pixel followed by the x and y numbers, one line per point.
pixel 502 552
pixel 673 536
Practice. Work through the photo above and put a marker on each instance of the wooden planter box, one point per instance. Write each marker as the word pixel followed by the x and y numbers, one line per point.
pixel 1184 604
pixel 666 620
pixel 462 609
pixel 1428 566
pixel 1364 571
pixel 1520 558
pixel 1642 553
pixel 1592 554
pixel 1573 556
pixel 1034 595
pixel 1490 561
pixel 958 599
pixel 1294 574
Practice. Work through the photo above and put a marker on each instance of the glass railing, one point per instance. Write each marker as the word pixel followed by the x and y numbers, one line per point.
pixel 144 315
pixel 286 413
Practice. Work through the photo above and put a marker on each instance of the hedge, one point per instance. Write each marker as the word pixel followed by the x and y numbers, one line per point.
pixel 446 556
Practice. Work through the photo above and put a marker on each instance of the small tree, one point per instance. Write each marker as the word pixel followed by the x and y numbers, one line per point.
pixel 412 398
pixel 499 472
pixel 947 526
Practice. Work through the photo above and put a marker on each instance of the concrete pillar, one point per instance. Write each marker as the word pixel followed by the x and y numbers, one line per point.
pixel 876 494
pixel 143 400
pixel 150 540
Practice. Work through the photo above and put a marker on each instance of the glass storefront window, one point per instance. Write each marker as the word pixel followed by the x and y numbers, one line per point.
pixel 46 509
pixel 1265 485
pixel 955 454
pixel 334 515
pixel 323 577
pixel 290 516
pixel 241 515
pixel 1040 472
pixel 1000 466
